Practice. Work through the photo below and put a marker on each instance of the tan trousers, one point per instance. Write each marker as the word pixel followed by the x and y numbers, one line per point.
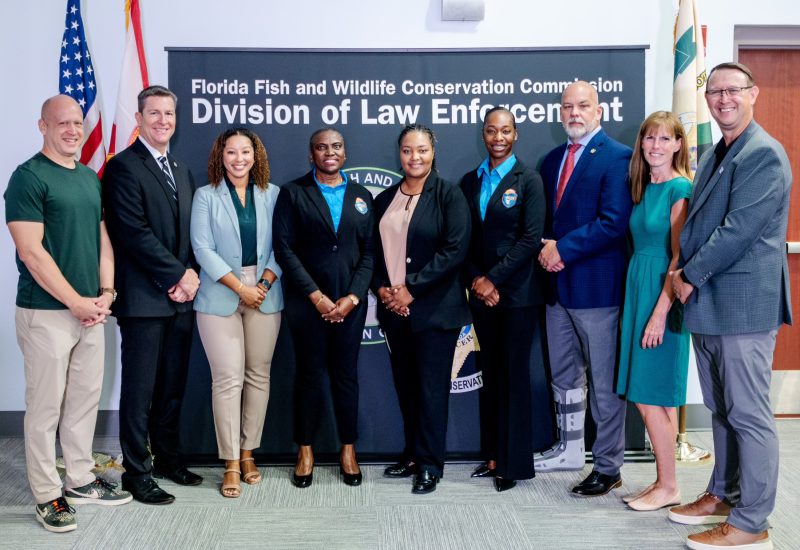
pixel 239 350
pixel 63 379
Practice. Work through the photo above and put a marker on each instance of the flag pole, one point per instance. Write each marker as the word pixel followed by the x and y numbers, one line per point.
pixel 688 104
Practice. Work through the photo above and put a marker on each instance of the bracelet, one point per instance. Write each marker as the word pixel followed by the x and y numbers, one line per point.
pixel 320 300
pixel 238 290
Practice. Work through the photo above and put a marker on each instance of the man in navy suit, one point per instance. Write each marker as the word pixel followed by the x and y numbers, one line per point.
pixel 588 207
pixel 147 196
pixel 735 284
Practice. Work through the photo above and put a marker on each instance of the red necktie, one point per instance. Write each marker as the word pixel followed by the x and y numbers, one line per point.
pixel 566 172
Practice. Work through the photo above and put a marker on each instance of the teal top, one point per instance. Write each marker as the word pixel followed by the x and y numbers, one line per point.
pixel 247 223
pixel 653 376
pixel 67 202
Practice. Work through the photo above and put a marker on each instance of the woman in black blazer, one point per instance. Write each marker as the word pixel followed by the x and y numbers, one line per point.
pixel 323 241
pixel 507 207
pixel 422 227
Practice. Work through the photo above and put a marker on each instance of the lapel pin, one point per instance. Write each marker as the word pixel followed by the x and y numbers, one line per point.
pixel 592 150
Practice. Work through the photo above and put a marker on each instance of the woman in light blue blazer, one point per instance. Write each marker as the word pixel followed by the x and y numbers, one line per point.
pixel 239 302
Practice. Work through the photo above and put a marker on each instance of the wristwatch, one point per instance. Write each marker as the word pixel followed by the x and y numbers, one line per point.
pixel 354 299
pixel 265 283
pixel 111 291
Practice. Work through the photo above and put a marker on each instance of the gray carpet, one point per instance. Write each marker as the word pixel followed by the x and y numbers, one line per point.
pixel 383 514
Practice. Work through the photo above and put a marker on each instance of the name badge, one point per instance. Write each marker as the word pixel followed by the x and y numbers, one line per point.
pixel 361 205
pixel 510 198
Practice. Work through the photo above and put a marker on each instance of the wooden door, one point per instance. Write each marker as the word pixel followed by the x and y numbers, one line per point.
pixel 777 74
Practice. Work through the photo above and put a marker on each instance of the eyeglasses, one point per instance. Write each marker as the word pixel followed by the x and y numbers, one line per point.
pixel 732 91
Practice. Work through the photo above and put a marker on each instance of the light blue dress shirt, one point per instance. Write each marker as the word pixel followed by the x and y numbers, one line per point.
pixel 490 179
pixel 334 196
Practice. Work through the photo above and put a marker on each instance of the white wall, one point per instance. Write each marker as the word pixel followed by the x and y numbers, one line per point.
pixel 32 31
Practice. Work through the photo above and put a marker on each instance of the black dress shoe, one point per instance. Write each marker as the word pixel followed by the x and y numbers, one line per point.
pixel 483 471
pixel 354 480
pixel 597 484
pixel 179 475
pixel 402 469
pixel 425 482
pixel 147 491
pixel 301 482
pixel 503 484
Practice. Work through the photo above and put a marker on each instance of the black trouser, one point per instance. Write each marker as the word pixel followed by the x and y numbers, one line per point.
pixel 320 346
pixel 155 363
pixel 421 366
pixel 505 336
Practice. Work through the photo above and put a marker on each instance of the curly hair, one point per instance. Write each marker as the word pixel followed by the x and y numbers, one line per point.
pixel 260 170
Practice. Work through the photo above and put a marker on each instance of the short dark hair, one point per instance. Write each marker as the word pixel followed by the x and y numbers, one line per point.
pixel 157 91
pixel 498 109
pixel 731 65
pixel 322 131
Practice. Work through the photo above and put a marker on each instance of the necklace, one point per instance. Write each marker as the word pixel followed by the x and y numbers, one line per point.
pixel 242 194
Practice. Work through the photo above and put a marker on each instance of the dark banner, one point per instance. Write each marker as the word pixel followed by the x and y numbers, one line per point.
pixel 369 96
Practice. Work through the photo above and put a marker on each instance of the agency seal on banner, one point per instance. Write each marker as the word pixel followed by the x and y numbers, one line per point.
pixel 375 180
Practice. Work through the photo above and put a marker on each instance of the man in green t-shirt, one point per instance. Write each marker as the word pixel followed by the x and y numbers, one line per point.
pixel 64 295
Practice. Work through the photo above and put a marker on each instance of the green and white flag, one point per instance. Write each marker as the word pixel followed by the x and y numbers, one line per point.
pixel 689 80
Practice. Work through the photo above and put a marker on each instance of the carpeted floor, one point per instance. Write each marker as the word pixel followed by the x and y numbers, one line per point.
pixel 383 514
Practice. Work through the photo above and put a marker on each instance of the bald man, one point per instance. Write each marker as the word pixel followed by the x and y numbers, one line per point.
pixel 64 295
pixel 588 207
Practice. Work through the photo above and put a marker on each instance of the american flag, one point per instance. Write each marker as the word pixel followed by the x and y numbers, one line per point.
pixel 76 79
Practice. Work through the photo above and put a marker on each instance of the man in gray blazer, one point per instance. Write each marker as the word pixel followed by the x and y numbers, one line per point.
pixel 735 284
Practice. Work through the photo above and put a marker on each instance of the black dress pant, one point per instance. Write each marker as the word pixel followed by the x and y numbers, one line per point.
pixel 155 363
pixel 505 336
pixel 421 366
pixel 320 346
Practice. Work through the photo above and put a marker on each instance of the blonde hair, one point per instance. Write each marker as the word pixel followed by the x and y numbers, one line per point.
pixel 640 169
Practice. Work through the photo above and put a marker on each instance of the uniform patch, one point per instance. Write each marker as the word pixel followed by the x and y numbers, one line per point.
pixel 510 198
pixel 361 205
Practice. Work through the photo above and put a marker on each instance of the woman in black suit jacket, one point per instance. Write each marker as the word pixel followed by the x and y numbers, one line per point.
pixel 422 227
pixel 323 241
pixel 507 207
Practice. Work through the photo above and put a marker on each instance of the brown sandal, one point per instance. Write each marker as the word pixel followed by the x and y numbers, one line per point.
pixel 234 488
pixel 251 477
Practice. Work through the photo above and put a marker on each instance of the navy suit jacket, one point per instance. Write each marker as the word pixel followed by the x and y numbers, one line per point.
pixel 149 231
pixel 436 247
pixel 504 245
pixel 590 225
pixel 314 256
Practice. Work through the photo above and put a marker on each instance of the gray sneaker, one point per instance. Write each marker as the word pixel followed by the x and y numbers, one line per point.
pixel 56 516
pixel 98 491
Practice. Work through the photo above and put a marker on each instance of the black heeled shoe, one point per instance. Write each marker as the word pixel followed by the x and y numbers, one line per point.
pixel 503 484
pixel 483 471
pixel 425 482
pixel 354 480
pixel 301 482
pixel 406 468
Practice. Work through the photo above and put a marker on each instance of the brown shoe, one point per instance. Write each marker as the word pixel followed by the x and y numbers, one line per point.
pixel 706 509
pixel 726 535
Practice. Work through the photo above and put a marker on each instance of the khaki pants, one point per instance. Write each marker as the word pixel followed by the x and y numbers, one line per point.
pixel 63 379
pixel 239 350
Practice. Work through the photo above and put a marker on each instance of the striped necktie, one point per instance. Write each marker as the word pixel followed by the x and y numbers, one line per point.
pixel 165 168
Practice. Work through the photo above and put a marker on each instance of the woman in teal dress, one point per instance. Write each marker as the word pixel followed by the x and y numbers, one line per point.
pixel 654 351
